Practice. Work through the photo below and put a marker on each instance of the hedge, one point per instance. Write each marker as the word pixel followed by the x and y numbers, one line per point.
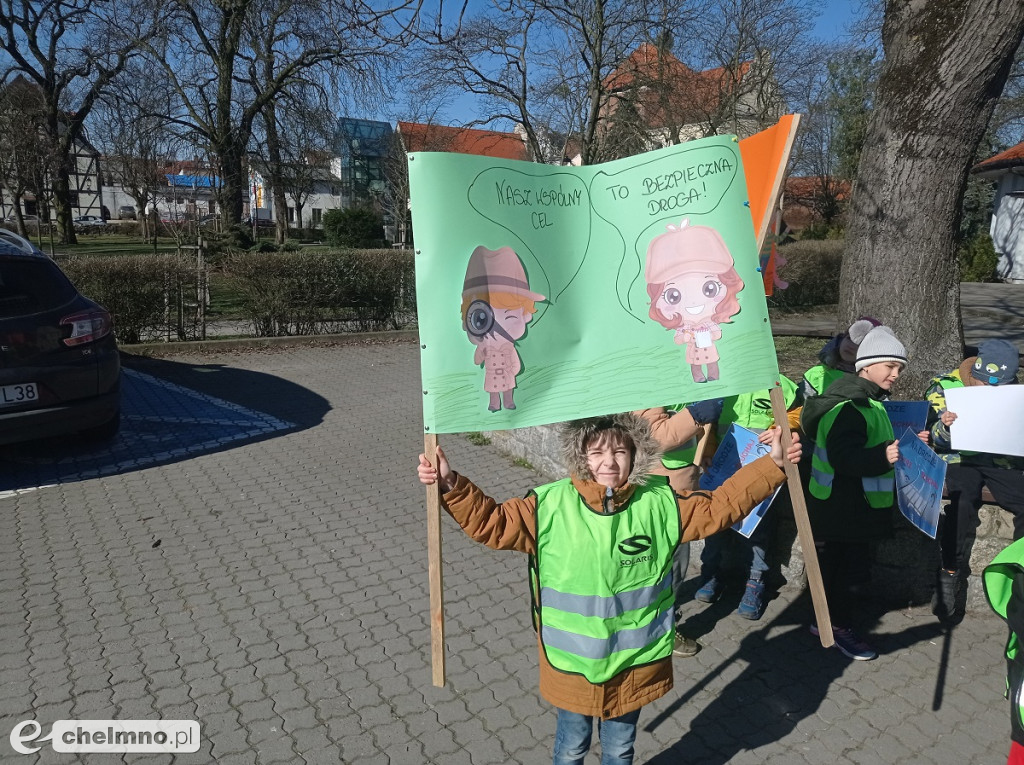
pixel 812 271
pixel 151 297
pixel 310 292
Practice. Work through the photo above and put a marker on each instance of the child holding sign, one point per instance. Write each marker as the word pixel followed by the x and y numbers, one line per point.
pixel 967 472
pixel 600 544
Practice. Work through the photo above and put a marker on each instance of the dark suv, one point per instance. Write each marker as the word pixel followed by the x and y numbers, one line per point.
pixel 59 367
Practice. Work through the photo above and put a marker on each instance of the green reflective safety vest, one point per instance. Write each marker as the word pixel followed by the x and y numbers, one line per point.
pixel 682 456
pixel 820 377
pixel 878 490
pixel 754 410
pixel 601 585
pixel 1000 578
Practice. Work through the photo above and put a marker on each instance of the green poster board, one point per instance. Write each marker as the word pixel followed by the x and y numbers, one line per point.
pixel 549 293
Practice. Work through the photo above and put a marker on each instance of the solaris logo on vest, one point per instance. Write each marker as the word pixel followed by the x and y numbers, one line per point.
pixel 635 546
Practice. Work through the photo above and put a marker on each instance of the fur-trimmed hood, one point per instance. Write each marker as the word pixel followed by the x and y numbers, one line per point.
pixel 646 452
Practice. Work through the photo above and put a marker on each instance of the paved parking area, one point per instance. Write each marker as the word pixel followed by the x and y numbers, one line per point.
pixel 259 565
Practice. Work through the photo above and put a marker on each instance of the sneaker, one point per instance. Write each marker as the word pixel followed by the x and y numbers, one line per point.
pixel 752 605
pixel 710 591
pixel 849 643
pixel 685 647
pixel 949 603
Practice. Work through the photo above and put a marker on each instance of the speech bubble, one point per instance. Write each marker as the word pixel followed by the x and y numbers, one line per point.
pixel 675 183
pixel 548 211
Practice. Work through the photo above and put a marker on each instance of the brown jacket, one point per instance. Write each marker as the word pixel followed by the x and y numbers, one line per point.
pixel 671 431
pixel 512 525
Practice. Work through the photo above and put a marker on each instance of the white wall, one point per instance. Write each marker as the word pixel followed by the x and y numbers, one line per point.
pixel 1008 227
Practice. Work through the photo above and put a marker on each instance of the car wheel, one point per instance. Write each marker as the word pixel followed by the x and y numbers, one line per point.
pixel 105 431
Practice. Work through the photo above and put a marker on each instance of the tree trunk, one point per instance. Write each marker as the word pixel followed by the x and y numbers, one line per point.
pixel 945 66
pixel 62 202
pixel 274 165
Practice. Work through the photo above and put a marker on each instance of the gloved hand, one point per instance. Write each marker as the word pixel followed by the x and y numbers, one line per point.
pixel 706 412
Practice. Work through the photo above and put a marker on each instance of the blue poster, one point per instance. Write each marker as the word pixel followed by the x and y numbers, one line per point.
pixel 907 414
pixel 739 447
pixel 920 475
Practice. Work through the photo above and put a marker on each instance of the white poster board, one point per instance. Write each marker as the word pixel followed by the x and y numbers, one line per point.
pixel 989 418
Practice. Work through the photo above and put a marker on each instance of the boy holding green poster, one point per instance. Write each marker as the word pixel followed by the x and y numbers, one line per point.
pixel 600 544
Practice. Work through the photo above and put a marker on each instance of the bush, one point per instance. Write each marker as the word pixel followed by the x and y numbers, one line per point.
pixel 812 271
pixel 355 227
pixel 978 259
pixel 304 293
pixel 149 296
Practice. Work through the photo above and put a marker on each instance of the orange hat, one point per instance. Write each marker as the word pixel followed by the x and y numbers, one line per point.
pixel 686 248
pixel 497 271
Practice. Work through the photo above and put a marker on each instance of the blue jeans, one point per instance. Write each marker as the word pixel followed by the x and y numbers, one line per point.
pixel 572 738
pixel 715 545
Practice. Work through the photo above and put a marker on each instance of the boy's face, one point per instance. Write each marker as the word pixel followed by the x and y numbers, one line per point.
pixel 610 459
pixel 883 374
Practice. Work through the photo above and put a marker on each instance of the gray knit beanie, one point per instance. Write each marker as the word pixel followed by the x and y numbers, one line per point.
pixel 879 345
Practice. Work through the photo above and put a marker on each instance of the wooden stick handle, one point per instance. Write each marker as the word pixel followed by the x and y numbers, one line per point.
pixel 434 572
pixel 803 523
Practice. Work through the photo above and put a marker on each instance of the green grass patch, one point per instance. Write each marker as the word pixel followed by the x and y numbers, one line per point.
pixel 798 354
pixel 524 463
pixel 478 439
pixel 98 245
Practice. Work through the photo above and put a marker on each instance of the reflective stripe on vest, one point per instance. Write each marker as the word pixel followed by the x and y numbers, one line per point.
pixel 878 490
pixel 605 604
pixel 820 377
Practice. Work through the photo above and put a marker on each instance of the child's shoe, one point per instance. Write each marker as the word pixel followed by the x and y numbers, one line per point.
pixel 752 605
pixel 949 603
pixel 849 643
pixel 710 591
pixel 685 647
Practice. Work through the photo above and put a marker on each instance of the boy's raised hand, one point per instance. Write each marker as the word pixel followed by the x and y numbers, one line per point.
pixel 443 474
pixel 774 437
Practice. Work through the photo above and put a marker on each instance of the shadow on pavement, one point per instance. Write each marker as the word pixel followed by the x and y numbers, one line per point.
pixel 786 676
pixel 170 412
pixel 259 391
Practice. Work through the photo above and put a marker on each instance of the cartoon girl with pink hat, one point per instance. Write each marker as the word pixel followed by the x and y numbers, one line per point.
pixel 497 304
pixel 692 283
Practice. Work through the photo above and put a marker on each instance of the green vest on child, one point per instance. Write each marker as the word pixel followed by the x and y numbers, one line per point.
pixel 878 490
pixel 601 585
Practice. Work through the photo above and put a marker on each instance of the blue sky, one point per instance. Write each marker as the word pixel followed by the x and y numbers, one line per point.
pixel 830 25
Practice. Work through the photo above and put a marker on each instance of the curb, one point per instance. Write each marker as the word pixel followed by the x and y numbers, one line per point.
pixel 155 350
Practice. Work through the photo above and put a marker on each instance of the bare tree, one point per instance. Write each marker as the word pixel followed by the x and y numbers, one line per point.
pixel 25 159
pixel 945 66
pixel 135 137
pixel 72 52
pixel 213 49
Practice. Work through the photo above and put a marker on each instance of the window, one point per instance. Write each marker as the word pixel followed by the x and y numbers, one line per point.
pixel 317 212
pixel 291 214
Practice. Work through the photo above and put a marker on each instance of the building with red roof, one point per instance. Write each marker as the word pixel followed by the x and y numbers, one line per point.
pixel 485 143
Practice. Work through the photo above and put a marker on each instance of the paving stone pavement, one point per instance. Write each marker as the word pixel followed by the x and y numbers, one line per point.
pixel 274 589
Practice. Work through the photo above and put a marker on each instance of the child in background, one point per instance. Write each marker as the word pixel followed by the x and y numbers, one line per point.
pixel 752 411
pixel 967 472
pixel 600 544
pixel 837 358
pixel 677 430
pixel 852 482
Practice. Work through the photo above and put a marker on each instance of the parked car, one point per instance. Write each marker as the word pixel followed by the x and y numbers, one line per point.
pixel 87 221
pixel 260 222
pixel 127 212
pixel 60 372
pixel 33 219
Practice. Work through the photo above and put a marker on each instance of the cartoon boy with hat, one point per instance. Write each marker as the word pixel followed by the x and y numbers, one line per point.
pixel 497 304
pixel 692 283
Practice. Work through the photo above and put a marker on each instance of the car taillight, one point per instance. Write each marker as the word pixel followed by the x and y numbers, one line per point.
pixel 87 326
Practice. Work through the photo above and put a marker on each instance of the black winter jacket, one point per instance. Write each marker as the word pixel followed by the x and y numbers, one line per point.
pixel 846 514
